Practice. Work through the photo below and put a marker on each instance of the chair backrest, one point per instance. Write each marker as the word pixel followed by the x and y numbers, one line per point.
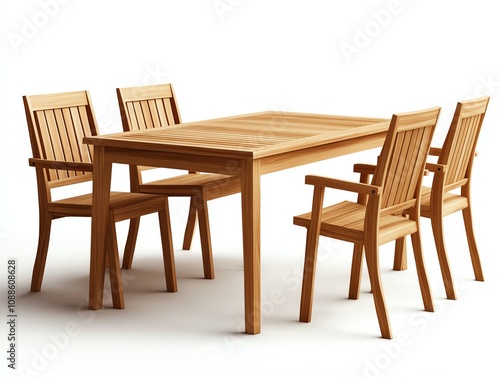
pixel 460 144
pixel 145 107
pixel 402 159
pixel 57 124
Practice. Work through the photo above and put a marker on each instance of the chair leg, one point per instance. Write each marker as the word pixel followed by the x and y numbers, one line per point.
pixel 41 254
pixel 421 273
pixel 311 255
pixel 372 261
pixel 471 239
pixel 400 256
pixel 306 299
pixel 115 276
pixel 206 242
pixel 191 224
pixel 356 271
pixel 437 229
pixel 128 253
pixel 168 250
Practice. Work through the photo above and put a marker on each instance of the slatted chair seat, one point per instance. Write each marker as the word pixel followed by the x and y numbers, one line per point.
pixel 57 124
pixel 120 203
pixel 346 221
pixel 211 184
pixel 452 203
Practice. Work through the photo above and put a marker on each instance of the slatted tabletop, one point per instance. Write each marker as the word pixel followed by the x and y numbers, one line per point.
pixel 258 134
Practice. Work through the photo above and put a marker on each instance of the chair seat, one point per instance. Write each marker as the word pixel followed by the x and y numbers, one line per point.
pixel 346 220
pixel 119 202
pixel 214 185
pixel 451 203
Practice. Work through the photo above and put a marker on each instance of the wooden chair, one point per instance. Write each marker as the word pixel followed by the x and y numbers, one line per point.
pixel 395 188
pixel 452 171
pixel 57 124
pixel 155 106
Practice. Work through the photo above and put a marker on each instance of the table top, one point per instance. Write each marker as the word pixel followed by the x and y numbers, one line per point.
pixel 256 135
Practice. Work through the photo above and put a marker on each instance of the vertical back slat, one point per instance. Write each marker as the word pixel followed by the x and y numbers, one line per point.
pixel 55 140
pixel 79 134
pixel 73 142
pixel 139 115
pixel 53 136
pixel 459 150
pixel 468 135
pixel 420 153
pixel 132 117
pixel 396 167
pixel 405 167
pixel 46 150
pixel 168 111
pixel 146 114
pixel 66 153
pixel 162 114
pixel 85 149
pixel 153 111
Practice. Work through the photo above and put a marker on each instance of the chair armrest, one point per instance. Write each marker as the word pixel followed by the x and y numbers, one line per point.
pixel 433 151
pixel 61 165
pixel 435 168
pixel 364 168
pixel 360 188
pixel 437 151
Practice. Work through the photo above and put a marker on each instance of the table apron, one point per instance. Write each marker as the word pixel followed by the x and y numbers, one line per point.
pixel 232 165
pixel 208 164
pixel 309 155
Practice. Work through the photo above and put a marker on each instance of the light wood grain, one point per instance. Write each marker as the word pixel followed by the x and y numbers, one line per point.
pixel 453 171
pixel 155 107
pixel 57 123
pixel 377 216
pixel 245 146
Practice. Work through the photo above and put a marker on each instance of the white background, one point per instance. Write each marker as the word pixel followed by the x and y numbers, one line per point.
pixel 226 57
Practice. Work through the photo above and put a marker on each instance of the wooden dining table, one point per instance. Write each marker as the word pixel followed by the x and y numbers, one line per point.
pixel 248 146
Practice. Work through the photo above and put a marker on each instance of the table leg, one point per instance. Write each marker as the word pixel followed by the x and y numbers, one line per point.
pixel 100 209
pixel 250 205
